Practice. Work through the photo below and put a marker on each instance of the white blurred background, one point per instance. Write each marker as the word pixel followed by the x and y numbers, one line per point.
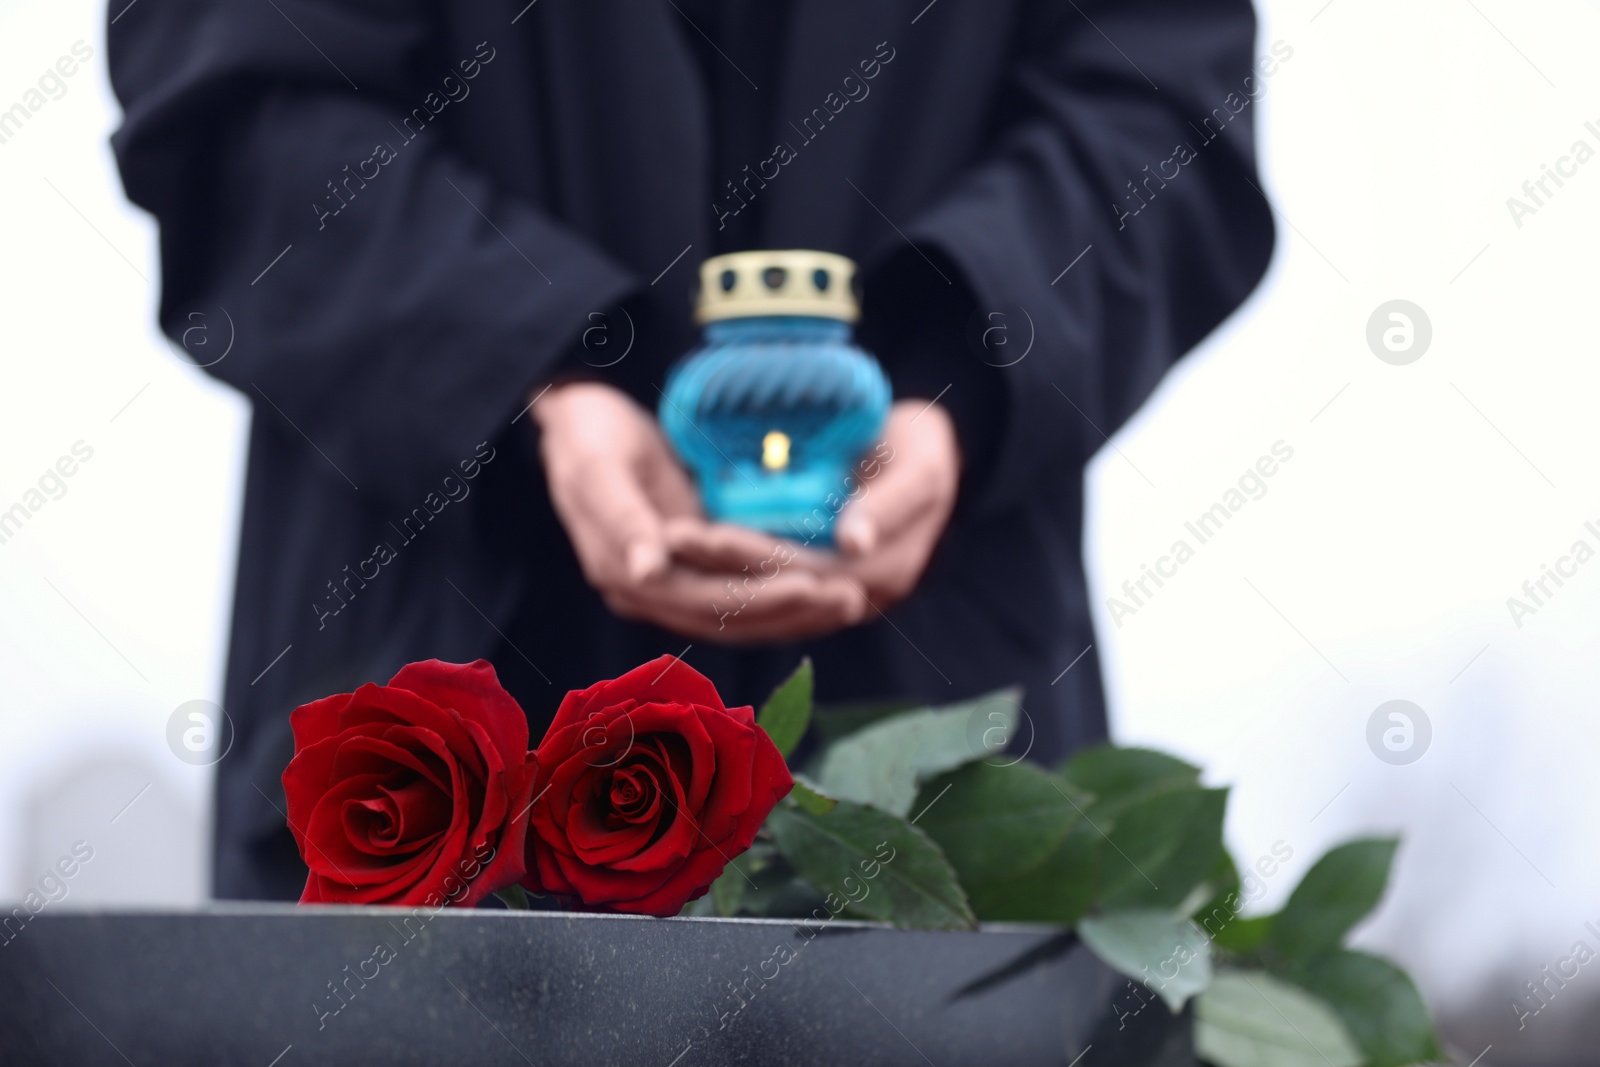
pixel 1377 565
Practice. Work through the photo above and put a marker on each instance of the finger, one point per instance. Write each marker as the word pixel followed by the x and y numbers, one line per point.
pixel 616 521
pixel 754 598
pixel 917 470
pixel 736 628
pixel 785 607
pixel 669 485
pixel 795 627
pixel 890 572
pixel 744 628
pixel 904 492
pixel 725 547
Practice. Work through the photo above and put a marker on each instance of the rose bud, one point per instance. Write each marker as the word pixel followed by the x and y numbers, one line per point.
pixel 415 792
pixel 647 787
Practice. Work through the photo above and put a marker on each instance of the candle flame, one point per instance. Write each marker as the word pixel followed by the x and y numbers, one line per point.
pixel 775 450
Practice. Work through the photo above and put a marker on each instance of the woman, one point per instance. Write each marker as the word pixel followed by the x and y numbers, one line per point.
pixel 457 242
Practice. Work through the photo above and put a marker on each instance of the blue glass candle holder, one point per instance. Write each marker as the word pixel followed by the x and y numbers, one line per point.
pixel 771 411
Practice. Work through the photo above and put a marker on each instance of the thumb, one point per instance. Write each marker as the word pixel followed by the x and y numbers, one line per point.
pixel 898 497
pixel 917 477
pixel 856 533
pixel 621 512
pixel 646 558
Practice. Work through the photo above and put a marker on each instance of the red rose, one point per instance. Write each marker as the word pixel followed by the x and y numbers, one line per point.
pixel 646 787
pixel 415 792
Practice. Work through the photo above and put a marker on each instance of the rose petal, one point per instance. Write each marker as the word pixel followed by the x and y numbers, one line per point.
pixel 420 812
pixel 473 690
pixel 373 707
pixel 399 748
pixel 666 679
pixel 689 882
pixel 735 745
pixel 412 793
pixel 598 839
pixel 505 864
pixel 607 885
pixel 635 794
pixel 345 871
pixel 593 835
pixel 335 857
pixel 681 834
pixel 317 721
pixel 305 780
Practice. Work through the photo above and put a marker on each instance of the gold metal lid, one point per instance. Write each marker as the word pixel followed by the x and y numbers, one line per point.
pixel 791 282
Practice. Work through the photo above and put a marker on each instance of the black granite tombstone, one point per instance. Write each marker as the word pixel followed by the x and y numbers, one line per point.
pixel 277 986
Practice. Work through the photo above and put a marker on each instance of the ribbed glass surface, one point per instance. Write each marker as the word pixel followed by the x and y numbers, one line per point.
pixel 771 413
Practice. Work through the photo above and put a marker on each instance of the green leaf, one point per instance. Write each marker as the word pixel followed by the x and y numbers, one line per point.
pixel 1377 1002
pixel 1109 772
pixel 835 721
pixel 757 882
pixel 727 892
pixel 1017 839
pixel 514 897
pixel 811 798
pixel 1059 890
pixel 995 823
pixel 883 764
pixel 1241 935
pixel 1162 949
pixel 700 908
pixel 782 896
pixel 787 712
pixel 876 865
pixel 1222 881
pixel 1219 917
pixel 1162 846
pixel 1335 894
pixel 1251 1019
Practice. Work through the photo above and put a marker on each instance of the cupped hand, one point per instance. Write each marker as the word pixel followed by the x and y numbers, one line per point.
pixel 612 479
pixel 616 487
pixel 886 533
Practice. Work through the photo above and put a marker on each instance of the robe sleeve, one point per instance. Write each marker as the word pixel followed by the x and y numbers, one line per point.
pixel 391 320
pixel 1109 283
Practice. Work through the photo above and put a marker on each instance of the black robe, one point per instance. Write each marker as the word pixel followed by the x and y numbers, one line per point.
pixel 404 215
